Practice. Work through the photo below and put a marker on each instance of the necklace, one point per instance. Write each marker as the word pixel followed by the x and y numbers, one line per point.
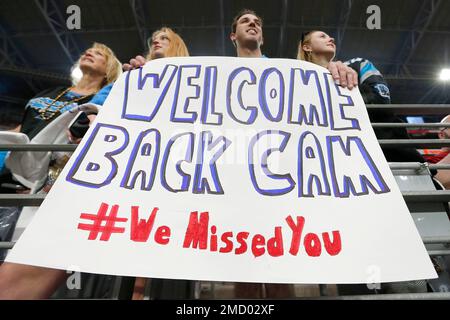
pixel 47 114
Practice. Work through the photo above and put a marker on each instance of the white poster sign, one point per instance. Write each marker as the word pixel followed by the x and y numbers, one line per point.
pixel 229 169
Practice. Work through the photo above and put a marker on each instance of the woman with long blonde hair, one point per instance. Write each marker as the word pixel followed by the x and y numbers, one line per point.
pixel 164 43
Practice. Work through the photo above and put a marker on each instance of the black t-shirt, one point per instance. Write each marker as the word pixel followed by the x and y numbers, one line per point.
pixel 33 123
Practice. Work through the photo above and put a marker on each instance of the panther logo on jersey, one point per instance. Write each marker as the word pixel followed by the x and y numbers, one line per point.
pixel 382 90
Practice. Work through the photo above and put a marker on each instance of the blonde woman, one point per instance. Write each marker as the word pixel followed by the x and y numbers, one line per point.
pixel 48 114
pixel 30 282
pixel 164 43
pixel 100 67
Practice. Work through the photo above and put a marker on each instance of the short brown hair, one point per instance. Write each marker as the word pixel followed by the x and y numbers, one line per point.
pixel 240 14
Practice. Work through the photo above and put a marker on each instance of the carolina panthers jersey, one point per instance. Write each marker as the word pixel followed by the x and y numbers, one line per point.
pixel 372 85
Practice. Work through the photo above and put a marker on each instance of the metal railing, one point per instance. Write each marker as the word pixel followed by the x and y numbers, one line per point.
pixel 412 109
pixel 403 143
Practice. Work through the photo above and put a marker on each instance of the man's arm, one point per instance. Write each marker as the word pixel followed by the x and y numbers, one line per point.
pixel 372 85
pixel 344 75
pixel 135 63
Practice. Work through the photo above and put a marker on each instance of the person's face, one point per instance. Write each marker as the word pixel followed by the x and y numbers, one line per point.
pixel 444 133
pixel 248 30
pixel 160 45
pixel 321 43
pixel 93 59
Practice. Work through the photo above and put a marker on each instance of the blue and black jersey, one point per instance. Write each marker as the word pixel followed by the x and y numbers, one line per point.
pixel 375 90
pixel 372 85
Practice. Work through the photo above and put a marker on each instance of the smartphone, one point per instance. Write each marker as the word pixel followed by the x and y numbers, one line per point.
pixel 80 126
